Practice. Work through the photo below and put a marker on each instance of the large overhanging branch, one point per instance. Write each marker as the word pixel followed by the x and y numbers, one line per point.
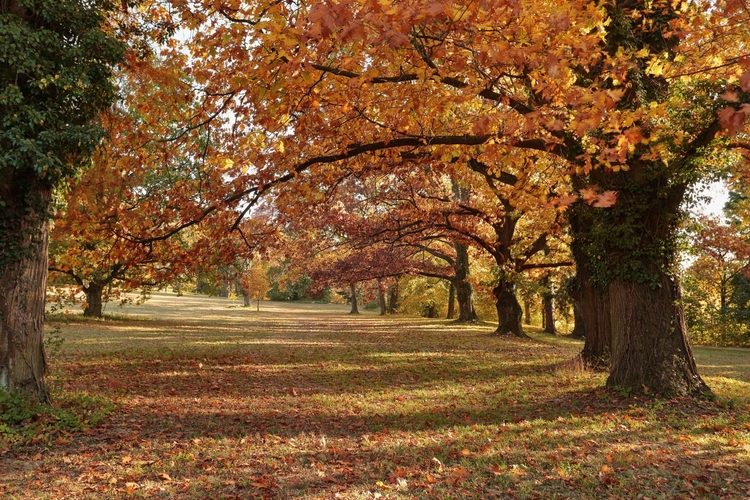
pixel 456 83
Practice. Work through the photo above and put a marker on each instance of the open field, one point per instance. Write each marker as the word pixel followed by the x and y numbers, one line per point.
pixel 212 400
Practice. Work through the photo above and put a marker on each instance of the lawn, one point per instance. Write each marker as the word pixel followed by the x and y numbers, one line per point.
pixel 194 397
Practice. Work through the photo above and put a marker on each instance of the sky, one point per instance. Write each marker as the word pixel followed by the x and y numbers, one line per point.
pixel 719 194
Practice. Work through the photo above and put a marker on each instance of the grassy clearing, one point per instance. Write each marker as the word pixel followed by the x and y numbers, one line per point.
pixel 304 401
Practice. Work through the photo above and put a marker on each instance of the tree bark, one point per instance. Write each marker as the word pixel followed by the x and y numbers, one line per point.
pixel 93 292
pixel 596 315
pixel 592 301
pixel 353 298
pixel 393 298
pixel 381 297
pixel 23 280
pixel 650 347
pixel 579 331
pixel 527 310
pixel 549 313
pixel 508 310
pixel 451 301
pixel 464 290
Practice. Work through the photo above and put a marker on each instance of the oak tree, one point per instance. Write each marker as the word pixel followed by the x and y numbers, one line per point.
pixel 56 60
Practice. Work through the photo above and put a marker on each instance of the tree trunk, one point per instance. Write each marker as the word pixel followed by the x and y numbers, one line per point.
pixel 93 292
pixel 393 298
pixel 246 299
pixel 353 298
pixel 430 311
pixel 464 290
pixel 527 310
pixel 650 346
pixel 549 313
pixel 465 299
pixel 579 331
pixel 24 240
pixel 381 297
pixel 592 300
pixel 508 310
pixel 451 301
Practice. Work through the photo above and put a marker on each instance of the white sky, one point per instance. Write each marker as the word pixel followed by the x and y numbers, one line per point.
pixel 719 194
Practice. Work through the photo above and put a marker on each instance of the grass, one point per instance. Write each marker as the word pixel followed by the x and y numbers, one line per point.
pixel 212 400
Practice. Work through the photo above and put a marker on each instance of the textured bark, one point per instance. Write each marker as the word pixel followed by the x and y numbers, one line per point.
pixel 464 290
pixel 23 282
pixel 94 300
pixel 594 310
pixel 591 302
pixel 353 298
pixel 579 331
pixel 650 346
pixel 508 310
pixel 451 301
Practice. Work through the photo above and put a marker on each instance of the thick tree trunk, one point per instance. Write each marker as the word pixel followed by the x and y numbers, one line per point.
pixel 579 331
pixel 246 299
pixel 381 298
pixel 94 301
pixel 24 239
pixel 508 310
pixel 353 298
pixel 592 302
pixel 650 347
pixel 451 301
pixel 393 298
pixel 595 312
pixel 464 290
pixel 465 299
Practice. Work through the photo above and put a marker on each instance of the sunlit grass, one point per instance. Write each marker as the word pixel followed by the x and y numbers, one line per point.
pixel 306 401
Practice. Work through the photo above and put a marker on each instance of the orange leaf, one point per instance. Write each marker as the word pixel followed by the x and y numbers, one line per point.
pixel 589 195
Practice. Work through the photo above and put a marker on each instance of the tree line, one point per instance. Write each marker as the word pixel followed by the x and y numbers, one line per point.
pixel 366 134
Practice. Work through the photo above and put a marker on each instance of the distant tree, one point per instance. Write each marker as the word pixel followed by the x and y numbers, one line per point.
pixel 254 283
pixel 715 283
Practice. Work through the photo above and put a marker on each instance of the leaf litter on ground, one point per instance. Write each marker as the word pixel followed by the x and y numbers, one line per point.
pixel 306 401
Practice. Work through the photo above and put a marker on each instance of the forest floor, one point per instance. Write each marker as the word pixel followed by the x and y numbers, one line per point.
pixel 194 397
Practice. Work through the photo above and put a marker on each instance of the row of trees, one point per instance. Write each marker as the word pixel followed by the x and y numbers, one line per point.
pixel 357 136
